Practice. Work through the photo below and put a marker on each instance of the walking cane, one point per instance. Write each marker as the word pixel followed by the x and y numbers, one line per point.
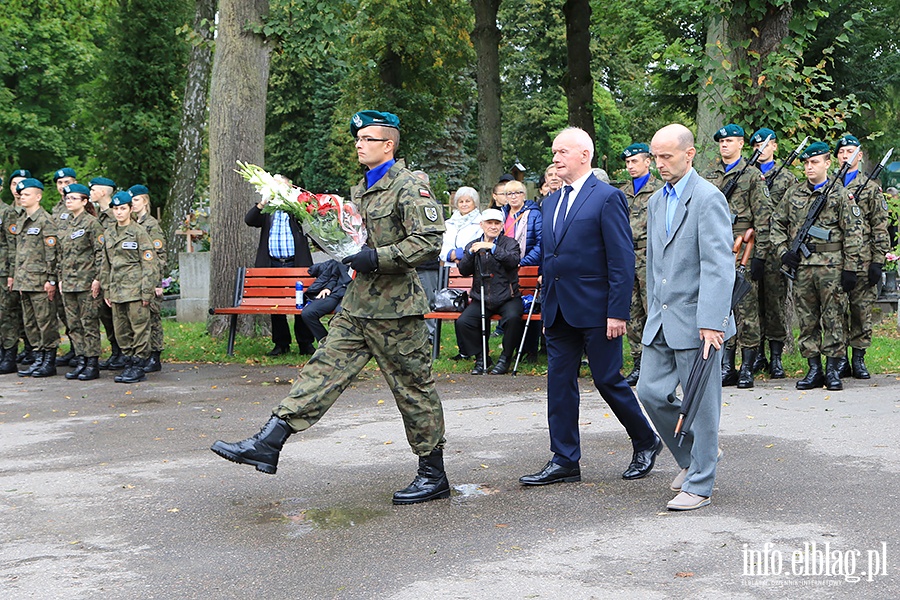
pixel 537 294
pixel 484 340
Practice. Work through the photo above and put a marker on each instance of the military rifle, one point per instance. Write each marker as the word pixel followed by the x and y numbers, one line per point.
pixel 798 244
pixel 874 174
pixel 728 190
pixel 790 160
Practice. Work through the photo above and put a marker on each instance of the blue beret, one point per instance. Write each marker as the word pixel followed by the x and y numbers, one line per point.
pixel 634 149
pixel 730 130
pixel 120 198
pixel 66 172
pixel 20 173
pixel 364 118
pixel 847 140
pixel 815 149
pixel 102 181
pixel 77 188
pixel 761 135
pixel 139 190
pixel 29 183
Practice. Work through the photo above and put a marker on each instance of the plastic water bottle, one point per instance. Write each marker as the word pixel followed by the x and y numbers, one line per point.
pixel 298 294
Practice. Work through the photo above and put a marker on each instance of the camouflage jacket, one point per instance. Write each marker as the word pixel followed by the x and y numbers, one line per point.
pixel 405 225
pixel 36 252
pixel 637 205
pixel 7 241
pixel 128 271
pixel 838 227
pixel 875 239
pixel 106 218
pixel 80 252
pixel 749 203
pixel 59 212
pixel 159 244
pixel 776 188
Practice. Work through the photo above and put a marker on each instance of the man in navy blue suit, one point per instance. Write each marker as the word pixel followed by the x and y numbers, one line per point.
pixel 588 274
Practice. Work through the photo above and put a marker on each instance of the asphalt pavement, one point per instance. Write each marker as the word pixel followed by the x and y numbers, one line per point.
pixel 110 491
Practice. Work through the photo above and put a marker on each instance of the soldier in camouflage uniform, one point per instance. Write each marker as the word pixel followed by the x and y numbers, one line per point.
pixel 749 209
pixel 140 205
pixel 381 317
pixel 638 192
pixel 80 260
pixel 62 178
pixel 824 278
pixel 9 341
pixel 875 244
pixel 102 190
pixel 12 327
pixel 35 277
pixel 128 274
pixel 765 269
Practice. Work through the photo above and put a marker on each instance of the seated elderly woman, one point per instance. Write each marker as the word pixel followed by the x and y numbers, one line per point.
pixel 493 262
pixel 462 226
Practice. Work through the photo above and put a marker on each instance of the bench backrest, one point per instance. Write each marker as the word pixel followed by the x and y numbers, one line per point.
pixel 527 279
pixel 262 286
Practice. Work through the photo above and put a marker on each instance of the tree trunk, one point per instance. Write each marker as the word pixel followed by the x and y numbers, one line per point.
pixel 189 153
pixel 710 103
pixel 236 132
pixel 578 82
pixel 486 39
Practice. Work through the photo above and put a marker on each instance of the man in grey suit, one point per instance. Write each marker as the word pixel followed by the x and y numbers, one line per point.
pixel 690 274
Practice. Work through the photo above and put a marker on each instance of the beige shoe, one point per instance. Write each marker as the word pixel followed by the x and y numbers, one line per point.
pixel 679 480
pixel 687 501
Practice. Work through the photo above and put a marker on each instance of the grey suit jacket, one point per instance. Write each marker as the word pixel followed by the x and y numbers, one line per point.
pixel 690 272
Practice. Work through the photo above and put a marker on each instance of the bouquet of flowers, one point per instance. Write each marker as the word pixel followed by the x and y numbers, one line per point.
pixel 333 224
pixel 890 262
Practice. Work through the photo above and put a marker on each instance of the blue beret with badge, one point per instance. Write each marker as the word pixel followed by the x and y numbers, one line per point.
pixel 139 190
pixel 365 118
pixel 102 181
pixel 77 188
pixel 64 172
pixel 815 149
pixel 730 130
pixel 761 134
pixel 634 150
pixel 846 140
pixel 29 183
pixel 20 173
pixel 120 198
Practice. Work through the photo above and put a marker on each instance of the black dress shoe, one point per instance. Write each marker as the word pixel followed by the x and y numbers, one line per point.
pixel 642 462
pixel 552 473
pixel 460 356
pixel 278 351
pixel 307 349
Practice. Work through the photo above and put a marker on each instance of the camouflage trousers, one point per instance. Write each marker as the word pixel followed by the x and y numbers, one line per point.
pixel 10 317
pixel 82 315
pixel 773 302
pixel 746 316
pixel 821 307
pixel 635 327
pixel 106 318
pixel 859 327
pixel 132 324
pixel 400 347
pixel 41 323
pixel 156 330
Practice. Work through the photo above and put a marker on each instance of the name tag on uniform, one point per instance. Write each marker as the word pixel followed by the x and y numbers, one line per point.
pixel 64 216
pixel 33 230
pixel 77 234
pixel 129 246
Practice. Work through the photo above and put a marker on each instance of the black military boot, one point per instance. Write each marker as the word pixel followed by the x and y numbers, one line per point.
pixel 729 373
pixel 776 369
pixel 833 374
pixel 115 360
pixel 635 374
pixel 48 365
pixel 844 369
pixel 153 363
pixel 134 372
pixel 37 359
pixel 26 356
pixel 261 450
pixel 8 361
pixel 815 377
pixel 760 364
pixel 430 482
pixel 126 363
pixel 748 360
pixel 91 369
pixel 78 363
pixel 859 364
pixel 64 360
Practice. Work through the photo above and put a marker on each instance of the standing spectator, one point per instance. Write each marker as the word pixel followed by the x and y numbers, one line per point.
pixel 588 271
pixel 690 275
pixel 552 178
pixel 498 198
pixel 325 295
pixel 463 226
pixel 282 245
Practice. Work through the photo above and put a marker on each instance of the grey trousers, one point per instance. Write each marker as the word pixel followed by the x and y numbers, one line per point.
pixel 662 369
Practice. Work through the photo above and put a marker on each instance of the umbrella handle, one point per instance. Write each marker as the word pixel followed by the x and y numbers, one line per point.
pixel 748 240
pixel 679 424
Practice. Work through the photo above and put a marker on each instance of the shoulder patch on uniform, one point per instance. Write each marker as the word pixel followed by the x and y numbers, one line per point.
pixel 13 228
pixel 766 190
pixel 157 244
pixel 431 213
pixel 884 204
pixel 129 245
pixel 424 193
pixel 148 255
pixel 50 240
pixel 101 239
pixel 855 210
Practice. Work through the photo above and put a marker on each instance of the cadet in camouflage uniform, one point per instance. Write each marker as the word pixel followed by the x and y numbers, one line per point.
pixel 102 190
pixel 749 208
pixel 62 178
pixel 765 269
pixel 12 327
pixel 638 192
pixel 80 260
pixel 824 278
pixel 381 317
pixel 875 244
pixel 35 277
pixel 9 340
pixel 128 274
pixel 140 205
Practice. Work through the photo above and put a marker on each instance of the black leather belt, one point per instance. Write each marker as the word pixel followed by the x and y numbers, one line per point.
pixel 283 261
